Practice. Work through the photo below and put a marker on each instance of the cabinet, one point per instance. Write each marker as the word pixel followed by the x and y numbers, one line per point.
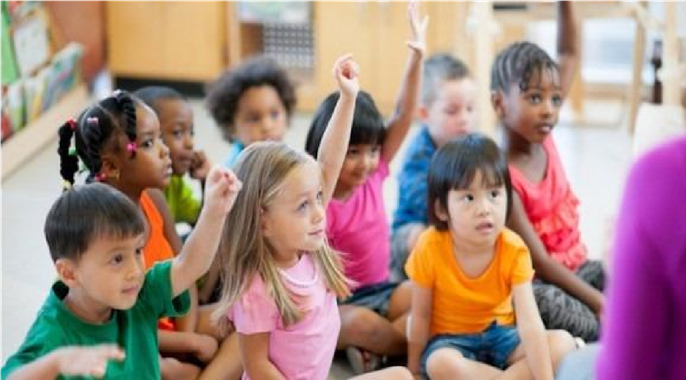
pixel 183 41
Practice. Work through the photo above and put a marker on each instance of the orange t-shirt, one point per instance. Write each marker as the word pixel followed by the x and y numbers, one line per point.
pixel 465 305
pixel 157 247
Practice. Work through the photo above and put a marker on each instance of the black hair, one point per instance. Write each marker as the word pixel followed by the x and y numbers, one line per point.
pixel 224 94
pixel 368 125
pixel 151 95
pixel 454 167
pixel 518 64
pixel 85 213
pixel 440 68
pixel 97 129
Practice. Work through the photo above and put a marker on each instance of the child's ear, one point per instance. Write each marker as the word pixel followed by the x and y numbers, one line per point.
pixel 423 113
pixel 498 103
pixel 264 223
pixel 110 166
pixel 440 211
pixel 66 270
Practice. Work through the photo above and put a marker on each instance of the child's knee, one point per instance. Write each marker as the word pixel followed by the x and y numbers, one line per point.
pixel 561 343
pixel 444 363
pixel 361 322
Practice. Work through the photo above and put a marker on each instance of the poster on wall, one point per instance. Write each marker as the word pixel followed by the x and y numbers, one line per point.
pixel 297 12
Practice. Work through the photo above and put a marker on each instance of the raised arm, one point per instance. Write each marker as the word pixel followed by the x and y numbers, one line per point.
pixel 568 45
pixel 532 332
pixel 335 140
pixel 548 269
pixel 406 104
pixel 221 189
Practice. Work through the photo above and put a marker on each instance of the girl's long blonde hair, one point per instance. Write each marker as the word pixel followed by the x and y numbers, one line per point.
pixel 244 251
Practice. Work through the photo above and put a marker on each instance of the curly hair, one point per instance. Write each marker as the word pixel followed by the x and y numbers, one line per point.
pixel 224 94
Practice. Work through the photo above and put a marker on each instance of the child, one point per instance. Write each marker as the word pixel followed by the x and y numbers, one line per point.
pixel 104 298
pixel 176 123
pixel 373 318
pixel 118 140
pixel 280 279
pixel 467 270
pixel 252 102
pixel 528 89
pixel 447 109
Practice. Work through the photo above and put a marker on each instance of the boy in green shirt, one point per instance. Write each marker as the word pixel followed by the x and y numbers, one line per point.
pixel 100 318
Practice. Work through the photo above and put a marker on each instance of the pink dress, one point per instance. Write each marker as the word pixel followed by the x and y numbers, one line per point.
pixel 552 210
pixel 305 349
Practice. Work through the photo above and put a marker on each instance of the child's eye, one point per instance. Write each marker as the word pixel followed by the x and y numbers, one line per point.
pixel 495 193
pixel 535 98
pixel 149 143
pixel 468 198
pixel 320 197
pixel 303 206
pixel 177 133
pixel 557 100
pixel 139 251
pixel 353 152
pixel 116 260
pixel 275 114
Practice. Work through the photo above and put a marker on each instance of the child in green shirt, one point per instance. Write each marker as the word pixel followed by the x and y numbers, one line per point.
pixel 100 318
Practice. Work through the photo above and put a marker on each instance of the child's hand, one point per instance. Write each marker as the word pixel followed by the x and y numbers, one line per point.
pixel 221 189
pixel 205 347
pixel 200 166
pixel 418 41
pixel 346 72
pixel 88 361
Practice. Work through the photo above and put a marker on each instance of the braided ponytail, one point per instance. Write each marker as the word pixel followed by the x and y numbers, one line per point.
pixel 69 163
pixel 126 105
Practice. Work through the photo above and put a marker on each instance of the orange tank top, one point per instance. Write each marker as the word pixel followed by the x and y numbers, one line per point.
pixel 157 247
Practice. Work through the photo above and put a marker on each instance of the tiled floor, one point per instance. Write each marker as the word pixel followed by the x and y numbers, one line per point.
pixel 596 160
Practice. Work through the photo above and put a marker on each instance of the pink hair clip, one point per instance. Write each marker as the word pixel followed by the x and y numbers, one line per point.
pixel 92 120
pixel 99 177
pixel 72 124
pixel 131 147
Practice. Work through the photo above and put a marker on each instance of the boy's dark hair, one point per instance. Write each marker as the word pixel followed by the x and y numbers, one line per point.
pixel 439 68
pixel 454 167
pixel 519 63
pixel 224 94
pixel 86 213
pixel 150 95
pixel 97 129
pixel 368 125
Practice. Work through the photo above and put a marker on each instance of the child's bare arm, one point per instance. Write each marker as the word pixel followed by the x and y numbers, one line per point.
pixel 532 332
pixel 548 269
pixel 334 143
pixel 255 354
pixel 406 104
pixel 419 325
pixel 204 347
pixel 201 247
pixel 75 361
pixel 568 45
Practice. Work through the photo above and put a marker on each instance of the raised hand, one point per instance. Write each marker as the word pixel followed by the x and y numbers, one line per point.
pixel 221 189
pixel 346 71
pixel 200 166
pixel 418 41
pixel 88 361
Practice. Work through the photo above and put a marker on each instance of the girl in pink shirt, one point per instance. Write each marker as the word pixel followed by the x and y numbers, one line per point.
pixel 280 279
pixel 373 318
pixel 528 89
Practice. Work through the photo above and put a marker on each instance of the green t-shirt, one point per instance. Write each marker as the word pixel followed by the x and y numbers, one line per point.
pixel 134 330
pixel 181 200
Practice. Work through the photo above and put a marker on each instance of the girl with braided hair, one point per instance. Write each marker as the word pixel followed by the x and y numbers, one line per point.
pixel 528 88
pixel 118 139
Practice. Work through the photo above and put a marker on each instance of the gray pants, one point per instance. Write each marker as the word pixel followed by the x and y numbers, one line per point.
pixel 400 251
pixel 559 310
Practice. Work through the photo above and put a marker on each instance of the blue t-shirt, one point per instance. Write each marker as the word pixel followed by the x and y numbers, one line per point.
pixel 412 181
pixel 235 149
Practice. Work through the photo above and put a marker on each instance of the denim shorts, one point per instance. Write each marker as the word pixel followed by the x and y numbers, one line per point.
pixel 492 346
pixel 375 297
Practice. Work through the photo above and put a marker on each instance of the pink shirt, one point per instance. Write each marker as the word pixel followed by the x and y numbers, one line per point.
pixel 552 209
pixel 305 349
pixel 358 228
